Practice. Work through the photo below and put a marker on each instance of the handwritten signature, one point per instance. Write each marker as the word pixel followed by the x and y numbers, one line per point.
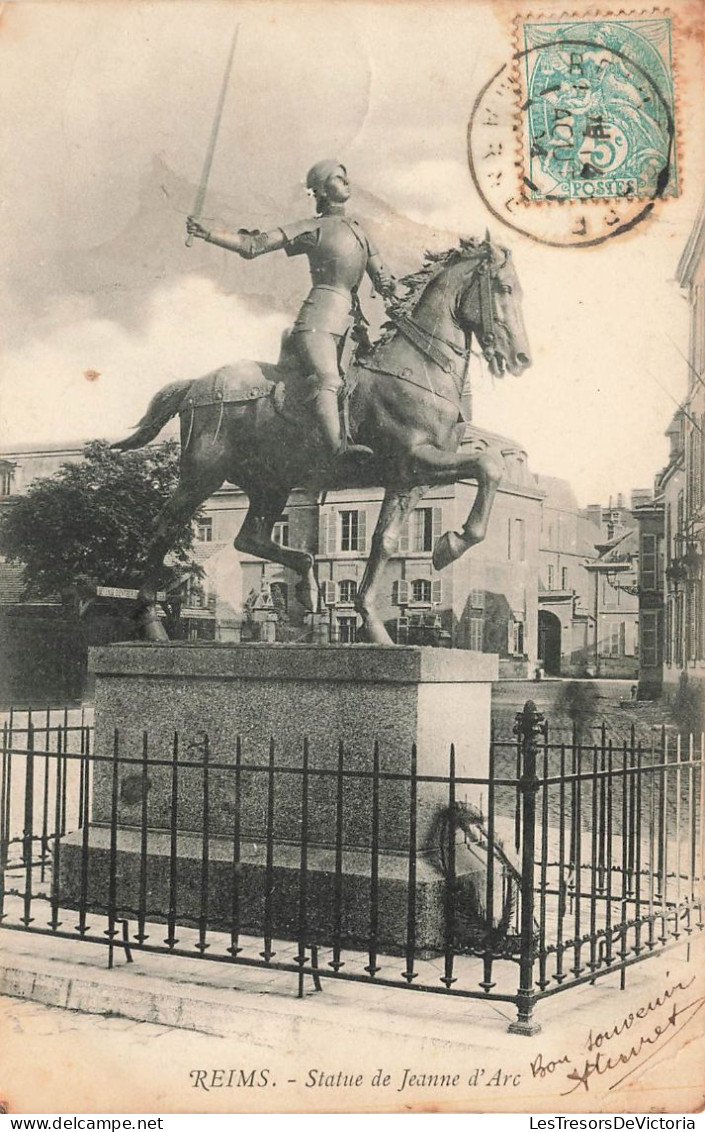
pixel 607 1053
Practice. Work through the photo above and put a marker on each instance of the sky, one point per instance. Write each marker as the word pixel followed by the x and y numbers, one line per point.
pixel 106 112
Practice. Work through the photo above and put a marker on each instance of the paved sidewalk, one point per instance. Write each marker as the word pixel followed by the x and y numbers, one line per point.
pixel 181 1021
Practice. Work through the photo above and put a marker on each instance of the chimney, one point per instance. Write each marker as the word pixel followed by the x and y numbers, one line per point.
pixel 640 496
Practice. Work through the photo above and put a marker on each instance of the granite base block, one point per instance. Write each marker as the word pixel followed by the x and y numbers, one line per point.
pixel 251 701
pixel 245 901
pixel 358 698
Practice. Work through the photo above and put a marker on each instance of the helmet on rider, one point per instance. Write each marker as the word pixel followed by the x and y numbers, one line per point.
pixel 319 173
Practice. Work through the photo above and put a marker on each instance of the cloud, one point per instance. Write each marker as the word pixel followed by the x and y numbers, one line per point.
pixel 432 192
pixel 50 391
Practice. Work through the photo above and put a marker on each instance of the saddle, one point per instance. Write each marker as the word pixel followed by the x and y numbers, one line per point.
pixel 284 383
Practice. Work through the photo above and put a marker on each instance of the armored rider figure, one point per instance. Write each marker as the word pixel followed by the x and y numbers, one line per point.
pixel 339 253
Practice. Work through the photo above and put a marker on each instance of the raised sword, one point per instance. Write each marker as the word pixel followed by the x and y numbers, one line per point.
pixel 208 161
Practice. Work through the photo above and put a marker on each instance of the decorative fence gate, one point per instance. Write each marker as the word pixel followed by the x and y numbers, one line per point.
pixel 580 859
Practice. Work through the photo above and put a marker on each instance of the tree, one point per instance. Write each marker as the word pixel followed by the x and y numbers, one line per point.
pixel 90 524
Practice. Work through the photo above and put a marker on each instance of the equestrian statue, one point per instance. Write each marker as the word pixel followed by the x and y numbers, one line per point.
pixel 338 411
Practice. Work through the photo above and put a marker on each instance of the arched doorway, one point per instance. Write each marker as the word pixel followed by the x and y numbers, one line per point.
pixel 550 643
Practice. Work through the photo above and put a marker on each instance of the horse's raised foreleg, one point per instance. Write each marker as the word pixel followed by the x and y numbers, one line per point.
pixel 255 537
pixel 184 503
pixel 396 506
pixel 445 467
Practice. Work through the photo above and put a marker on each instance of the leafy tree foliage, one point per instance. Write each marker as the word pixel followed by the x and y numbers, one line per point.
pixel 90 523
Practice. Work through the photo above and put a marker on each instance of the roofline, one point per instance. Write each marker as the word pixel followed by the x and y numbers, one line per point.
pixel 693 251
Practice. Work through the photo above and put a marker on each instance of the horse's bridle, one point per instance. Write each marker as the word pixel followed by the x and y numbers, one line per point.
pixel 425 340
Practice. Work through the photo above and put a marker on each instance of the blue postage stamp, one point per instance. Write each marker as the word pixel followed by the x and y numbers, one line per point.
pixel 598 109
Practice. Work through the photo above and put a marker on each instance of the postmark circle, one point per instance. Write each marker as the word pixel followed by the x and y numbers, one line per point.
pixel 607 200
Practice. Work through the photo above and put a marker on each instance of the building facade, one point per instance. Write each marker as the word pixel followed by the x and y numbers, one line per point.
pixel 650 517
pixel 683 487
pixel 567 543
pixel 525 593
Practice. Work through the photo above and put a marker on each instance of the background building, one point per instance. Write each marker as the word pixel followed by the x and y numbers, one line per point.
pixel 567 543
pixel 650 517
pixel 528 592
pixel 682 484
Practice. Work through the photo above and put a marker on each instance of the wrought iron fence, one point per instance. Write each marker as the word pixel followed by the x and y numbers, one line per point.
pixel 563 862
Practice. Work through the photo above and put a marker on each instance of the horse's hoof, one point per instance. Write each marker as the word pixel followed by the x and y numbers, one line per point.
pixel 374 633
pixel 449 547
pixel 151 626
pixel 306 592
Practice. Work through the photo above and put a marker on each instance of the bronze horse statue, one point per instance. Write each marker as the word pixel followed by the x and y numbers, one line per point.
pixel 404 404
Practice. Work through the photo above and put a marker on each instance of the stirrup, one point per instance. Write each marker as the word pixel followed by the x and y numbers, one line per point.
pixel 353 450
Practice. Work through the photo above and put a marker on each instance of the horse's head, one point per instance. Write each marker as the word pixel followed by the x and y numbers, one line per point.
pixel 489 306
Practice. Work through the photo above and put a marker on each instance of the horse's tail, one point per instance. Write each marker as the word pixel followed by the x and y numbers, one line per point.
pixel 164 405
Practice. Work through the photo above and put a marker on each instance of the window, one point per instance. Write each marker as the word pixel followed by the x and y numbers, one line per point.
pixel 352 530
pixel 280 595
pixel 650 644
pixel 616 639
pixel 347 591
pixel 551 577
pixel 7 475
pixel 400 592
pixel 475 642
pixel 477 599
pixel 421 591
pixel 516 540
pixel 347 630
pixel 649 562
pixel 515 640
pixel 204 530
pixel 426 527
pixel 610 593
pixel 564 577
pixel 669 547
pixel 280 533
pixel 669 631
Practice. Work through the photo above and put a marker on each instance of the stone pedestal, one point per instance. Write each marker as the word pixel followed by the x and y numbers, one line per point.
pixel 286 696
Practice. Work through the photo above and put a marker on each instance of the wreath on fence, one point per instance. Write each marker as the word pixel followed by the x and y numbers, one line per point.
pixel 474 930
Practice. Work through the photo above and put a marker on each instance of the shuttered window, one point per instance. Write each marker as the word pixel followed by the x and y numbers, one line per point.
pixel 515 638
pixel 516 540
pixel 347 591
pixel 650 645
pixel 476 634
pixel 421 591
pixel 400 593
pixel 426 527
pixel 649 562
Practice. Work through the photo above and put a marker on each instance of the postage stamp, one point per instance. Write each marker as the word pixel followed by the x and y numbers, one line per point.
pixel 597 112
pixel 572 142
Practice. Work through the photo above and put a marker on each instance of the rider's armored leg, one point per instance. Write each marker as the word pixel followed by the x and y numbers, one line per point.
pixel 319 356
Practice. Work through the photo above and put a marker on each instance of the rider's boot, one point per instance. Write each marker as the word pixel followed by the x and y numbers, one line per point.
pixel 325 407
